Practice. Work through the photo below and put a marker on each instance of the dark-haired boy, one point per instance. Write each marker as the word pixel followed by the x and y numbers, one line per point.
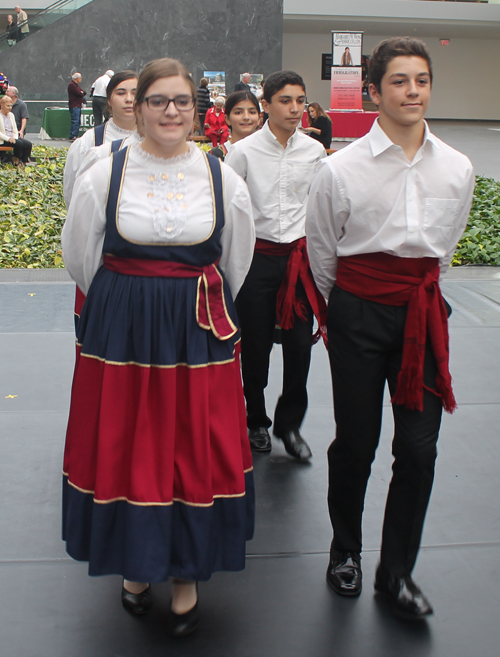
pixel 383 220
pixel 278 163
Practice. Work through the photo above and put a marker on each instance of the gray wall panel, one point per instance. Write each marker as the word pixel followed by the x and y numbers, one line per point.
pixel 227 35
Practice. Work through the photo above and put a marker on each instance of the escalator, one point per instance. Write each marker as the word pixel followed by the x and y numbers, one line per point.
pixel 46 17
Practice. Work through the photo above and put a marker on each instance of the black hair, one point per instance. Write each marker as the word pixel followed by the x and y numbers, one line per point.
pixel 276 81
pixel 117 79
pixel 388 49
pixel 238 97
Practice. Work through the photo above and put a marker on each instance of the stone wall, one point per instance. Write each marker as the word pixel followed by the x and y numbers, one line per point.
pixel 206 35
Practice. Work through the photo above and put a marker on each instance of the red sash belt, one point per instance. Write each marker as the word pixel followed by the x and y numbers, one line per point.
pixel 288 305
pixel 211 311
pixel 413 282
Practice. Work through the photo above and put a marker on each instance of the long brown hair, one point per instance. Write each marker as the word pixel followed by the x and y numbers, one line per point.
pixel 319 112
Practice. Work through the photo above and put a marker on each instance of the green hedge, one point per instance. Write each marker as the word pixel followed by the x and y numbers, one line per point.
pixel 32 213
pixel 480 243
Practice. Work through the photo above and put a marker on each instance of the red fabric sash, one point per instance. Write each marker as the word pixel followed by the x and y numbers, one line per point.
pixel 288 305
pixel 79 301
pixel 211 311
pixel 413 282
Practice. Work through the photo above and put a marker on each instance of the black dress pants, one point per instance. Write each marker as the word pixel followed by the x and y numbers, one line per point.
pixel 256 307
pixel 22 149
pixel 99 109
pixel 365 341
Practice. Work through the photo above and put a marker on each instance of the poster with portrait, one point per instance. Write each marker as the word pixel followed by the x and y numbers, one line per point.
pixel 216 83
pixel 347 48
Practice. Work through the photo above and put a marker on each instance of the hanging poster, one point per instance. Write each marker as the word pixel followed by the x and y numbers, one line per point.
pixel 216 83
pixel 347 77
pixel 346 88
pixel 347 48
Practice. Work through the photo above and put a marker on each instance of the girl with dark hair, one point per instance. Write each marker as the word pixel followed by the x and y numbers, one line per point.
pixel 320 124
pixel 122 124
pixel 242 117
pixel 157 468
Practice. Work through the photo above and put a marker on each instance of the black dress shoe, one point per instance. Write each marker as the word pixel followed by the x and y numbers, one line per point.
pixel 137 603
pixel 260 440
pixel 344 574
pixel 295 445
pixel 407 599
pixel 183 624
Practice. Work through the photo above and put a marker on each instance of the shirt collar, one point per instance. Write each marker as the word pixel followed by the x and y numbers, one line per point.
pixel 380 142
pixel 272 137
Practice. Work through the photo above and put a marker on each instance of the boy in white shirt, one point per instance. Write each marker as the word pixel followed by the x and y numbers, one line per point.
pixel 278 163
pixel 383 220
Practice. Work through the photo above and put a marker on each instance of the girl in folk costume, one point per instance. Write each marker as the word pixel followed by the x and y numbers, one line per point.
pixel 157 468
pixel 120 94
pixel 242 115
pixel 119 130
pixel 215 123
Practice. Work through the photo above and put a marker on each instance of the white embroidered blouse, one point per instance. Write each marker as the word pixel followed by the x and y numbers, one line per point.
pixel 163 201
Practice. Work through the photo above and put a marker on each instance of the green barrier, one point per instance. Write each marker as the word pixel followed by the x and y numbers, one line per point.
pixel 57 121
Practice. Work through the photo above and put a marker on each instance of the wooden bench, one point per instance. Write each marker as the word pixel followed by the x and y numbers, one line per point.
pixel 199 138
pixel 5 153
pixel 329 151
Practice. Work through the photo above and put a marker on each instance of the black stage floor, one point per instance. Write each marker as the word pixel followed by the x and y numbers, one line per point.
pixel 280 605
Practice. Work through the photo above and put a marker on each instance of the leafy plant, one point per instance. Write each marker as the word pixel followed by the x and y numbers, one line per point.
pixel 32 214
pixel 480 243
pixel 32 211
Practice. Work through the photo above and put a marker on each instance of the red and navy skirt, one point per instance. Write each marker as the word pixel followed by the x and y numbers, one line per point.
pixel 157 467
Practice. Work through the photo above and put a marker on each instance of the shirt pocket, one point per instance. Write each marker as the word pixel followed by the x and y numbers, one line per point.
pixel 302 175
pixel 439 220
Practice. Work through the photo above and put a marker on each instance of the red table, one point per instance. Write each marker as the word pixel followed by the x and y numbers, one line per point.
pixel 348 125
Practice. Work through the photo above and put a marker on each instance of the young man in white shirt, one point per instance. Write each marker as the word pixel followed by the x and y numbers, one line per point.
pixel 278 163
pixel 383 220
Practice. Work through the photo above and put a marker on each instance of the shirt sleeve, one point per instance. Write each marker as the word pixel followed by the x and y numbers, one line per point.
pixel 238 234
pixel 95 154
pixel 83 232
pixel 237 161
pixel 74 159
pixel 462 220
pixel 15 131
pixel 326 215
pixel 3 136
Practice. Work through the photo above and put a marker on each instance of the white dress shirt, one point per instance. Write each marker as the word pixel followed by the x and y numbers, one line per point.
pixel 369 198
pixel 278 180
pixel 79 149
pixel 150 186
pixel 100 86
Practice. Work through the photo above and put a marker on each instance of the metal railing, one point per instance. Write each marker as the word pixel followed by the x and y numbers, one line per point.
pixel 47 16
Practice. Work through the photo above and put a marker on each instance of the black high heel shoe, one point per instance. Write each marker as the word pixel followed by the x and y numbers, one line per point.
pixel 184 624
pixel 137 603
